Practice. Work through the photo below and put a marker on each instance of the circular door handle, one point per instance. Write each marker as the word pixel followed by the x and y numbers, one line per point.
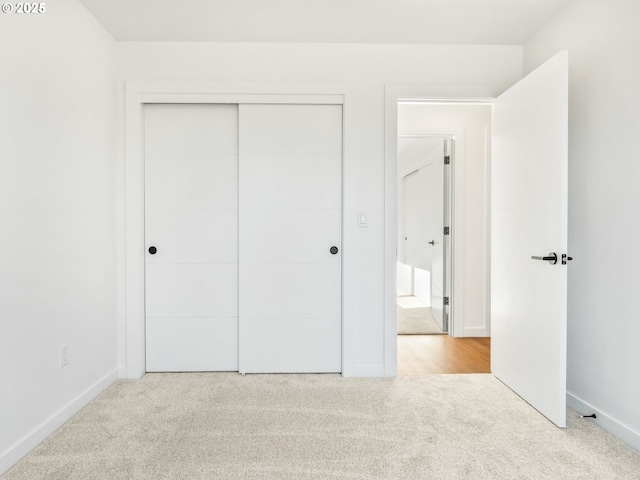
pixel 333 250
pixel 153 250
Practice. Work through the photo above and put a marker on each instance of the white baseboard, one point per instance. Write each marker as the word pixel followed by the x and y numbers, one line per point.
pixel 607 422
pixel 13 454
pixel 365 371
pixel 475 332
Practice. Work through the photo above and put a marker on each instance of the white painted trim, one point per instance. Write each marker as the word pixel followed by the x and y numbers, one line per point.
pixel 321 99
pixel 474 332
pixel 23 446
pixel 487 227
pixel 606 421
pixel 136 95
pixel 448 94
pixel 239 89
pixel 431 100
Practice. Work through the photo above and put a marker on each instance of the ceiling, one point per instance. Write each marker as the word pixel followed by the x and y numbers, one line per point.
pixel 479 22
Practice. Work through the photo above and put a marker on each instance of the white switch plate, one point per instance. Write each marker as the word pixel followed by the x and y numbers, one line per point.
pixel 362 219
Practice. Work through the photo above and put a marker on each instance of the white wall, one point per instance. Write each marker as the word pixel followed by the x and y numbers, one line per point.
pixel 472 127
pixel 602 37
pixel 57 220
pixel 367 68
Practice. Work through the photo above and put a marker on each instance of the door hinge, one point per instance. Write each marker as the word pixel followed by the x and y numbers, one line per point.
pixel 446 230
pixel 447 159
pixel 445 300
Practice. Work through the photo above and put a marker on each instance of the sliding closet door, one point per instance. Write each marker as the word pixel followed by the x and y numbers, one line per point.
pixel 191 237
pixel 290 238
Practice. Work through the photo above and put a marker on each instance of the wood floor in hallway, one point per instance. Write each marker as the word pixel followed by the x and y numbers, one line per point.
pixel 433 354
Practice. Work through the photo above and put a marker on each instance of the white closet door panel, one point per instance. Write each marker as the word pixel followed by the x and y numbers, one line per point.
pixel 188 130
pixel 290 236
pixel 290 205
pixel 290 181
pixel 191 181
pixel 191 217
pixel 315 343
pixel 288 129
pixel 304 290
pixel 193 235
pixel 192 290
pixel 192 344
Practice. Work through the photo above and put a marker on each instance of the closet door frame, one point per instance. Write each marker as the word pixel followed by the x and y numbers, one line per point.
pixel 131 289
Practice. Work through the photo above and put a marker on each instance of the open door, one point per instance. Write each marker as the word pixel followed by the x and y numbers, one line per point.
pixel 529 238
pixel 447 244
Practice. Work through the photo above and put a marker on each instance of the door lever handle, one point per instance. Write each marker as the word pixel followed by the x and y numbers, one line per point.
pixel 432 242
pixel 552 258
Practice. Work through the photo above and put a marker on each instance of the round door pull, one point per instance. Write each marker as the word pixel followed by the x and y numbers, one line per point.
pixel 153 250
pixel 333 250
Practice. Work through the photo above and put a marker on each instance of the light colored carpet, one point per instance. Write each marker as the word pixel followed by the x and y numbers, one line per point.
pixel 409 301
pixel 417 321
pixel 228 426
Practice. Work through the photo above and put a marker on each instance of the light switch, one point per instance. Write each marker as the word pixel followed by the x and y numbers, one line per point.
pixel 362 219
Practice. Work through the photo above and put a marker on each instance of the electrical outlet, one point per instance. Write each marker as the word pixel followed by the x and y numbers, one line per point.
pixel 64 355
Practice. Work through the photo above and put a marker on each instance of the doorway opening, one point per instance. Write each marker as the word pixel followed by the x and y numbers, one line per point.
pixel 424 249
pixel 441 148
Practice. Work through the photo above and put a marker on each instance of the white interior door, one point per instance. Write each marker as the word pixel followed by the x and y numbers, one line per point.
pixel 435 228
pixel 191 211
pixel 418 253
pixel 423 210
pixel 529 218
pixel 290 218
pixel 447 248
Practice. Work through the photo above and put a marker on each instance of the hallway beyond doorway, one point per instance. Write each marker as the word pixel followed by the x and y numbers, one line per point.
pixel 438 354
pixel 416 318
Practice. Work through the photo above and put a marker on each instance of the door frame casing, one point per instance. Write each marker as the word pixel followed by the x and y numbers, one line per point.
pixel 131 327
pixel 435 94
